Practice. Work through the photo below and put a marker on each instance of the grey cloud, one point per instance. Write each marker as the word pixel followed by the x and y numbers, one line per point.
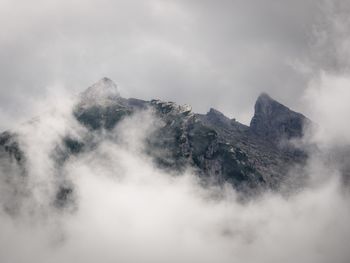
pixel 128 210
pixel 204 53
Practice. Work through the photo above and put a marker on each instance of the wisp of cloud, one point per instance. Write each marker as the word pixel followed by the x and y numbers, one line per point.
pixel 125 209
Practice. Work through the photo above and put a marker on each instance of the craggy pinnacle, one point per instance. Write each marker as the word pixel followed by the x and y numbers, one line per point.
pixel 220 149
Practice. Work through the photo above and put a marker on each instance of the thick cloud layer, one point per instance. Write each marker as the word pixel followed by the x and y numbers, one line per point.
pixel 203 53
pixel 124 209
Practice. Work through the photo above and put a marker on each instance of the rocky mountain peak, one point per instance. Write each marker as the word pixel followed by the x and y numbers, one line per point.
pixel 265 103
pixel 218 148
pixel 102 92
pixel 274 121
pixel 214 112
pixel 218 117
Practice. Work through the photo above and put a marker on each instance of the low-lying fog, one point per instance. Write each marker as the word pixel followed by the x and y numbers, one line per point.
pixel 124 209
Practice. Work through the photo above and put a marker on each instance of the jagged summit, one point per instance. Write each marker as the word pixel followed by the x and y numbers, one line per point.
pixel 218 117
pixel 267 105
pixel 264 95
pixel 102 92
pixel 218 148
pixel 213 111
pixel 274 121
pixel 264 100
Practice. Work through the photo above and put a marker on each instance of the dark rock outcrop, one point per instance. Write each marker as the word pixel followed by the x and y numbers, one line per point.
pixel 219 149
pixel 275 122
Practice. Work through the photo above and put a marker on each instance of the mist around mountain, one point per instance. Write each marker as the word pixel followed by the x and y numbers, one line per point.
pixel 218 149
pixel 102 178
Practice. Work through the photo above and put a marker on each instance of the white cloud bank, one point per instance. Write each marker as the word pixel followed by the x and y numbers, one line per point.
pixel 127 210
pixel 328 99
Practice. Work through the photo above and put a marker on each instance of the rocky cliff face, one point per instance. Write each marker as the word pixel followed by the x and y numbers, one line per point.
pixel 275 122
pixel 220 149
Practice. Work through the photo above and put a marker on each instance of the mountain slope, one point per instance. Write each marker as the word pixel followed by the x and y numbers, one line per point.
pixel 218 148
pixel 274 121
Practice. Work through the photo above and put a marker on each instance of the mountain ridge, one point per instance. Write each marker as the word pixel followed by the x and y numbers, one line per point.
pixel 219 149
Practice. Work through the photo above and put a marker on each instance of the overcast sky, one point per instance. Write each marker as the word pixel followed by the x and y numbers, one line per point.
pixel 207 53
